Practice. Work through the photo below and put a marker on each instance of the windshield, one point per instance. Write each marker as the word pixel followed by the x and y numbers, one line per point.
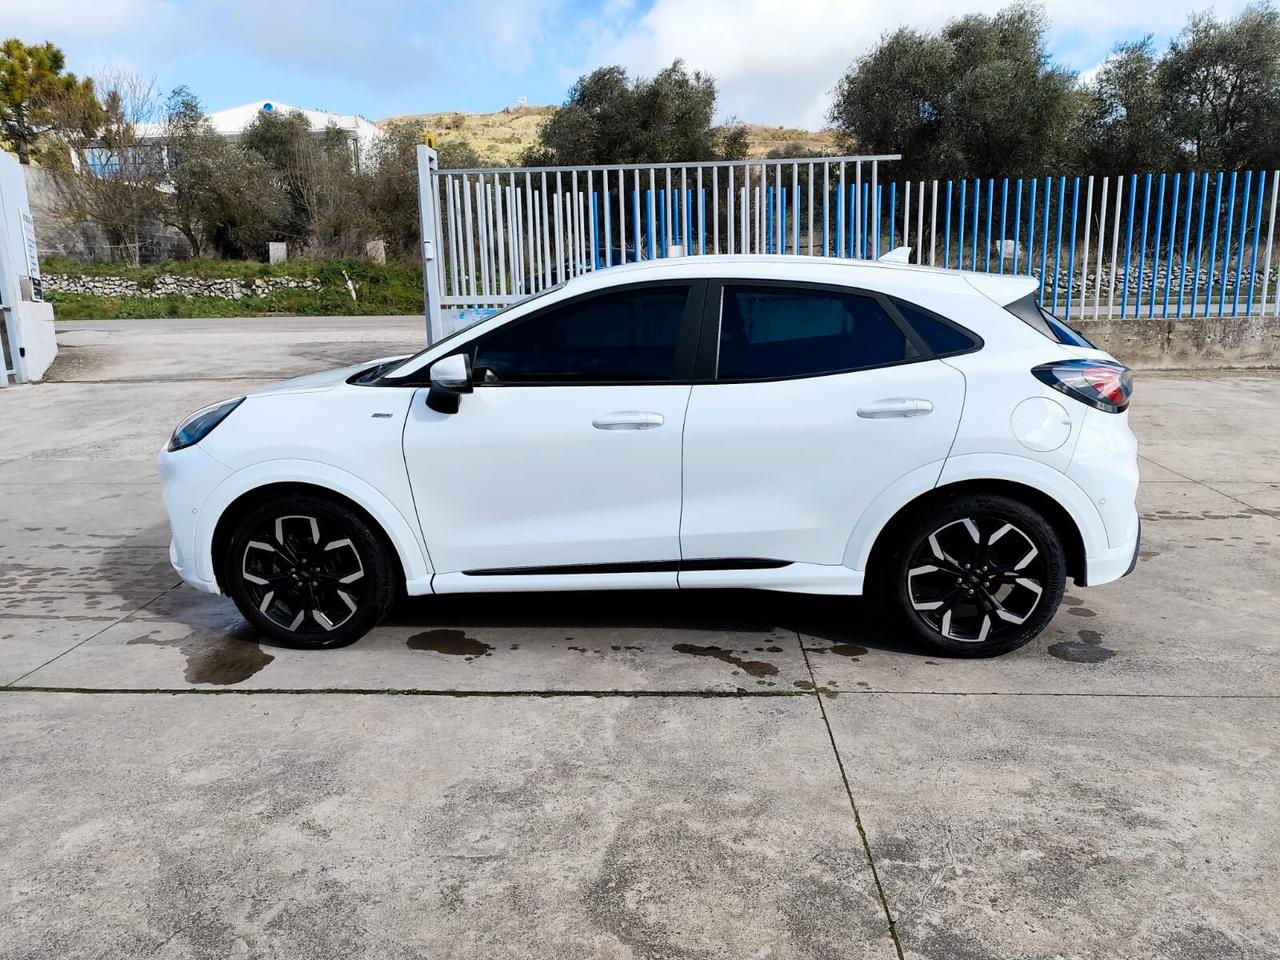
pixel 408 363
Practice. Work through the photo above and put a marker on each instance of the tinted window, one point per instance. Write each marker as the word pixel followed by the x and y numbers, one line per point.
pixel 779 332
pixel 938 336
pixel 619 337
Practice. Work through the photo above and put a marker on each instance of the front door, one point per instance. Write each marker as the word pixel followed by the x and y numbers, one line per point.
pixel 815 401
pixel 565 460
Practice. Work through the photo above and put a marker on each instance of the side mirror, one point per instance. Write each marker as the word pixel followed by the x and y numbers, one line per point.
pixel 450 379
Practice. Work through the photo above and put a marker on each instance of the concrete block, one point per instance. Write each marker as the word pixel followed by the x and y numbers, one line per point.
pixel 35 333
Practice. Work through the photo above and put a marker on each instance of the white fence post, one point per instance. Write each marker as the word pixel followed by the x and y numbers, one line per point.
pixel 429 222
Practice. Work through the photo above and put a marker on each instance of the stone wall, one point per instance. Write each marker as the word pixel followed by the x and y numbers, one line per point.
pixel 227 288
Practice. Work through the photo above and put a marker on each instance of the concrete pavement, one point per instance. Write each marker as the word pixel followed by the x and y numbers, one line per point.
pixel 647 775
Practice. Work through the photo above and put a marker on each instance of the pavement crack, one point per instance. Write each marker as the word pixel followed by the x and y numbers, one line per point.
pixel 97 633
pixel 853 805
pixel 410 692
pixel 1209 486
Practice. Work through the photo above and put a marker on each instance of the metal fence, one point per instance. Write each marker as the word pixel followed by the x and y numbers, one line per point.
pixel 1179 244
pixel 504 233
pixel 1176 244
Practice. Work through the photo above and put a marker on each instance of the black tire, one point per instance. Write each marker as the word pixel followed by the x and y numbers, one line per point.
pixel 308 572
pixel 1011 572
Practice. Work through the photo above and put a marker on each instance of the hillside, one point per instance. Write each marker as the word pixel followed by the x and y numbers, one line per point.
pixel 500 137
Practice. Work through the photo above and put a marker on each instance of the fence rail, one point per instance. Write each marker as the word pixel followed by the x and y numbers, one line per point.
pixel 506 233
pixel 1171 244
pixel 1166 244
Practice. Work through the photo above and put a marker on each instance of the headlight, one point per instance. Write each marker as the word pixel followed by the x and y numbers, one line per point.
pixel 201 423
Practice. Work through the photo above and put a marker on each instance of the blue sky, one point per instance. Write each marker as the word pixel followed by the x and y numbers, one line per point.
pixel 775 60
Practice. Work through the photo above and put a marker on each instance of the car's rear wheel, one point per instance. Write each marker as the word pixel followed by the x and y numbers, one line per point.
pixel 308 572
pixel 976 576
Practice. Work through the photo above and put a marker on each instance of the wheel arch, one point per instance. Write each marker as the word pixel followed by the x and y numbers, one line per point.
pixel 241 506
pixel 1055 514
pixel 244 490
pixel 1042 487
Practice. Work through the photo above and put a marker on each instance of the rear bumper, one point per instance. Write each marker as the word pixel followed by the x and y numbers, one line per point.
pixel 1114 563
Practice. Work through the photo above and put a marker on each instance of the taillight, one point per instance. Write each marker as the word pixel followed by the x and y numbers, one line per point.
pixel 1103 384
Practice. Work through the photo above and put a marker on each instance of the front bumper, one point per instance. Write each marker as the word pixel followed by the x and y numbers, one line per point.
pixel 187 477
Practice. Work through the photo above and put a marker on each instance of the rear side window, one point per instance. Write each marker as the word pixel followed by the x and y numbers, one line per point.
pixel 623 337
pixel 941 337
pixel 1029 311
pixel 775 332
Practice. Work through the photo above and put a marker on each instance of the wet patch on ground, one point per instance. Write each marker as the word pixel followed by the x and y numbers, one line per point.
pixel 449 641
pixel 215 659
pixel 754 668
pixel 1087 648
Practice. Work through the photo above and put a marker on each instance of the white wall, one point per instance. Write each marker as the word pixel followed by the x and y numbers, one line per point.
pixel 31 334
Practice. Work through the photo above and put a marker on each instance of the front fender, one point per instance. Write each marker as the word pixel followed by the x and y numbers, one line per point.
pixel 403 534
pixel 977 466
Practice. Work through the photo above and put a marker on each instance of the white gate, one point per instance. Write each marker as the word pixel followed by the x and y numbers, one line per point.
pixel 494 235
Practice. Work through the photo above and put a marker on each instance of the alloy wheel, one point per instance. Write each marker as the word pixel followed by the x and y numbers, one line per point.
pixel 303 579
pixel 976 579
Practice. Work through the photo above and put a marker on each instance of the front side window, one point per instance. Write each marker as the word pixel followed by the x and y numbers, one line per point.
pixel 627 336
pixel 776 332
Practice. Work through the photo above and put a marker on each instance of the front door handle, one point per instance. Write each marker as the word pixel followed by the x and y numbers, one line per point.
pixel 628 420
pixel 895 407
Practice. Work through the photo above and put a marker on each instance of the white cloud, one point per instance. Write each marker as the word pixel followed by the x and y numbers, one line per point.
pixel 373 43
pixel 777 60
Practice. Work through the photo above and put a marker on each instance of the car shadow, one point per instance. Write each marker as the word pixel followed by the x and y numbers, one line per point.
pixel 820 620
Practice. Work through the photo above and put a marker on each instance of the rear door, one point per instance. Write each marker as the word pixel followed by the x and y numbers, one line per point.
pixel 809 401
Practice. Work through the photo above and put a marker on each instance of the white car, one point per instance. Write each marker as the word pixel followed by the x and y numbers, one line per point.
pixel 781 423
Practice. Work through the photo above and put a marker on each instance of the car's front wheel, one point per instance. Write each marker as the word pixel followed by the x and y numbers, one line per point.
pixel 308 572
pixel 976 576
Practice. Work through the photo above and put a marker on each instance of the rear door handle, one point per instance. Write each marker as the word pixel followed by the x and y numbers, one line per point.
pixel 628 420
pixel 895 407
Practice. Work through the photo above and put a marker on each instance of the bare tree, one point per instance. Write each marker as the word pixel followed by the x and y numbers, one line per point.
pixel 113 172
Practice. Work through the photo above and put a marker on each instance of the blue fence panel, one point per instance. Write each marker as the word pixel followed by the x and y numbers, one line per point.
pixel 1017 224
pixel 1128 244
pixel 1057 248
pixel 1044 238
pixel 1213 246
pixel 1071 260
pixel 1155 267
pixel 1173 238
pixel 1257 227
pixel 1031 229
pixel 946 231
pixel 977 207
pixel 1244 218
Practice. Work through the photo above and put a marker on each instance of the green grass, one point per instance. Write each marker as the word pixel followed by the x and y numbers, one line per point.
pixel 394 288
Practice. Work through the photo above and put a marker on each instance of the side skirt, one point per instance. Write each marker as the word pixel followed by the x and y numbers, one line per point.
pixel 791 578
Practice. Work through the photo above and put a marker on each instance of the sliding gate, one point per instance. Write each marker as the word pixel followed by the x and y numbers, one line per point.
pixel 494 235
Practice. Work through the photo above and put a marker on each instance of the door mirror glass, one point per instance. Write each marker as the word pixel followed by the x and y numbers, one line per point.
pixel 450 379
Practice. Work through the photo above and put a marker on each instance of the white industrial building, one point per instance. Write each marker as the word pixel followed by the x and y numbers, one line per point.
pixel 232 122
